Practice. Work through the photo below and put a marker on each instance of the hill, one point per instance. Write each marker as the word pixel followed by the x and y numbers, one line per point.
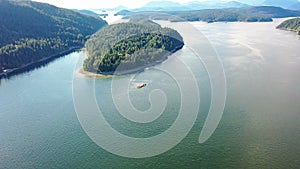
pixel 160 6
pixel 246 14
pixel 290 25
pixel 130 46
pixel 32 32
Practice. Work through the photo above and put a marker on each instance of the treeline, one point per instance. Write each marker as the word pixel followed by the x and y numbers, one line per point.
pixel 31 31
pixel 246 14
pixel 290 25
pixel 130 45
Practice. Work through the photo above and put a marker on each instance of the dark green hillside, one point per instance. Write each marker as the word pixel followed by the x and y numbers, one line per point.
pixel 290 25
pixel 32 31
pixel 134 44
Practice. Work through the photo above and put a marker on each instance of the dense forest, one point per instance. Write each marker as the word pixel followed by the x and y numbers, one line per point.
pixel 32 31
pixel 245 14
pixel 290 25
pixel 130 45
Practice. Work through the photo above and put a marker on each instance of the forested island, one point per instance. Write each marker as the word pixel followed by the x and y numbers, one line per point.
pixel 130 46
pixel 33 33
pixel 290 25
pixel 244 14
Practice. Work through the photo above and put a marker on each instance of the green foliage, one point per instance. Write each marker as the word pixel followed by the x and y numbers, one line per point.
pixel 31 31
pixel 134 44
pixel 291 25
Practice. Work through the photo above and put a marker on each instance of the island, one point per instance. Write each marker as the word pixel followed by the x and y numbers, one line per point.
pixel 128 47
pixel 290 25
pixel 33 33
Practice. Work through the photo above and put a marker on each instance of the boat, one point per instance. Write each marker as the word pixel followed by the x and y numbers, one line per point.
pixel 139 86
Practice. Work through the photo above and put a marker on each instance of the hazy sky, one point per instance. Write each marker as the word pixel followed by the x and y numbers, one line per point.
pixel 81 4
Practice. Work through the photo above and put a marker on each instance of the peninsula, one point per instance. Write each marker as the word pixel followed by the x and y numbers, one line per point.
pixel 290 25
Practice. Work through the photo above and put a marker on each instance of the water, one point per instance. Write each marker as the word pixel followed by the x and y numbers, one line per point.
pixel 259 129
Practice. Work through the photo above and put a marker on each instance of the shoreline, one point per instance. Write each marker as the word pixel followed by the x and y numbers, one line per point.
pixel 118 73
pixel 126 72
pixel 31 66
pixel 95 75
pixel 289 30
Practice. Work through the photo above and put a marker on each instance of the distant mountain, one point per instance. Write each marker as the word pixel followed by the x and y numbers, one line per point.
pixel 234 4
pixel 161 6
pixel 288 4
pixel 118 8
pixel 216 4
pixel 87 12
pixel 290 25
pixel 194 5
pixel 253 2
pixel 230 4
pixel 33 32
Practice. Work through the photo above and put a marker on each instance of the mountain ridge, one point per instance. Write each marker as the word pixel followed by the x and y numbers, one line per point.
pixel 193 5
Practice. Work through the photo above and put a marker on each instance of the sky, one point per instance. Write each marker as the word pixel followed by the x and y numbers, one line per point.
pixel 98 4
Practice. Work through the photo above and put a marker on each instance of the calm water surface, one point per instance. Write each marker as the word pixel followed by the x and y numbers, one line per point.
pixel 260 127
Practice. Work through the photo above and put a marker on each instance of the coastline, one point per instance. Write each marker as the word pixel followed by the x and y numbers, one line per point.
pixel 125 72
pixel 30 66
pixel 290 30
pixel 119 73
pixel 95 75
